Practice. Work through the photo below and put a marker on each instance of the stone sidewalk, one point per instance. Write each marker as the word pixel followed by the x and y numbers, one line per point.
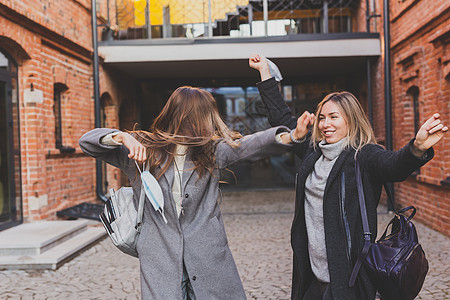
pixel 258 227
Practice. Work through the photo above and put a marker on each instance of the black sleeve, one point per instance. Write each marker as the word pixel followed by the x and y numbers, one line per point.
pixel 393 166
pixel 279 113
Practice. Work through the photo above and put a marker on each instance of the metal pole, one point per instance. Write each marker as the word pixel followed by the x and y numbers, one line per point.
pixel 250 18
pixel 367 16
pixel 95 66
pixel 387 76
pixel 266 17
pixel 107 13
pixel 369 92
pixel 98 163
pixel 210 29
pixel 325 16
pixel 369 78
pixel 148 24
pixel 117 15
pixel 387 86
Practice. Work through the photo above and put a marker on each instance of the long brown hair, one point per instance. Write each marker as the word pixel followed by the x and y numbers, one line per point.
pixel 191 118
pixel 359 132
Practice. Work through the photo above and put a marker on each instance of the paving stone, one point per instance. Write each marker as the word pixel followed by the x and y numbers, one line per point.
pixel 258 227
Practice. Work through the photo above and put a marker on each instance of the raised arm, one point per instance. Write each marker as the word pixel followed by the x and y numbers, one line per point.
pixel 279 113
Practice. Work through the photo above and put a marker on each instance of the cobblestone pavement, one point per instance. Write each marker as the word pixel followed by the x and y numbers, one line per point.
pixel 258 227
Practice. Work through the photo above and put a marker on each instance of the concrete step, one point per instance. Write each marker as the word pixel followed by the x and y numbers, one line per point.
pixel 57 255
pixel 35 238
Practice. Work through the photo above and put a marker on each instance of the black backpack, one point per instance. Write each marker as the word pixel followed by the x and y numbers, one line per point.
pixel 396 263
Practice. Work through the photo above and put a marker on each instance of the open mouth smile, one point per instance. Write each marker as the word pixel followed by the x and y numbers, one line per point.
pixel 328 133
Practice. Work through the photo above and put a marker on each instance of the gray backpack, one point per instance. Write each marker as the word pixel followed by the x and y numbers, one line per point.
pixel 121 220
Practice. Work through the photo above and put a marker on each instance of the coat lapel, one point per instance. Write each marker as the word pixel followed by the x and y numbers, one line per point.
pixel 188 170
pixel 309 161
pixel 168 174
pixel 306 168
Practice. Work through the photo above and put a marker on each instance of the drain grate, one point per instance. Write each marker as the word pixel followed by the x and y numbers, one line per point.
pixel 83 210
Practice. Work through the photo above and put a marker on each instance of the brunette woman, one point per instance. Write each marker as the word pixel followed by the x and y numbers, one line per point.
pixel 326 233
pixel 186 146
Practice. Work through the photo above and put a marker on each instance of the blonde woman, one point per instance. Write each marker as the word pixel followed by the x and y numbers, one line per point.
pixel 187 145
pixel 326 233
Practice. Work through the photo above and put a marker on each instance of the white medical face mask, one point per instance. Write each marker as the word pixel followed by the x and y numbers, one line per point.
pixel 153 191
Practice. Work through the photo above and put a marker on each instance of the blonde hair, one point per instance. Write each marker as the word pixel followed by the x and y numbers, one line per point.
pixel 190 117
pixel 359 130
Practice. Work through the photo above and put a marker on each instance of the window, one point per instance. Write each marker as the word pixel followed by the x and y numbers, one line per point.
pixel 58 92
pixel 413 92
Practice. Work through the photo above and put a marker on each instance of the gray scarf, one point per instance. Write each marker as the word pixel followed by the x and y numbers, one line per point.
pixel 314 191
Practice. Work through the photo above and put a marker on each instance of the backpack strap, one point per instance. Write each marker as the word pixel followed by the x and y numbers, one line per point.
pixel 365 223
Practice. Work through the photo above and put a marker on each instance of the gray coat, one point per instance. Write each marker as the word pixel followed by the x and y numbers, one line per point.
pixel 198 236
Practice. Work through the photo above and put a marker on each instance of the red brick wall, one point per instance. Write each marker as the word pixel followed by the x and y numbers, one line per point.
pixel 67 18
pixel 419 59
pixel 359 17
pixel 52 44
pixel 122 99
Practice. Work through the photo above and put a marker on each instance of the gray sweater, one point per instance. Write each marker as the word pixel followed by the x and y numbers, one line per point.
pixel 314 190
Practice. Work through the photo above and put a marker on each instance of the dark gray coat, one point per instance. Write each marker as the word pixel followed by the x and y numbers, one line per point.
pixel 342 218
pixel 198 236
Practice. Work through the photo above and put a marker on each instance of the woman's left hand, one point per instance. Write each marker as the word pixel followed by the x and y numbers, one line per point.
pixel 261 64
pixel 431 132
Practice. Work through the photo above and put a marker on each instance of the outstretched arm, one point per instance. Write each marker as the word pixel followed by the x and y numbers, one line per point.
pixel 393 166
pixel 252 147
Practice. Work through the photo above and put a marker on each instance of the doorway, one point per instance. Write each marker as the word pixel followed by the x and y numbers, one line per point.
pixel 10 183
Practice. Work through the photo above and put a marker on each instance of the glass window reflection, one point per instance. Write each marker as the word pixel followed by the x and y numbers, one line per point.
pixel 4 61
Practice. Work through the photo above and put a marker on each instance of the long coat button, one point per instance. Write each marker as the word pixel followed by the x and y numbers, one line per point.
pixel 194 278
pixel 187 195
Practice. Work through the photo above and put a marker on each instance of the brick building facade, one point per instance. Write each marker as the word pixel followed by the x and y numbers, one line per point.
pixel 420 85
pixel 49 45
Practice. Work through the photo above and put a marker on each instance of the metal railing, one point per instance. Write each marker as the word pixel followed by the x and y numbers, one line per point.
pixel 191 19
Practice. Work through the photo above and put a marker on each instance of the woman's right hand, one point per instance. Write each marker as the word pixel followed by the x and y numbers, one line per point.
pixel 303 123
pixel 137 150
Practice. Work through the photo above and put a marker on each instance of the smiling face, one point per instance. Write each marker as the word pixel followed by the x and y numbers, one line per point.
pixel 332 124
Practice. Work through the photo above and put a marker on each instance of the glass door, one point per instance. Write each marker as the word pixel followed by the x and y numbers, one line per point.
pixel 10 183
pixel 4 184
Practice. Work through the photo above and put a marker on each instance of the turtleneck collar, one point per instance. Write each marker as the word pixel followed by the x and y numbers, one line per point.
pixel 180 150
pixel 331 151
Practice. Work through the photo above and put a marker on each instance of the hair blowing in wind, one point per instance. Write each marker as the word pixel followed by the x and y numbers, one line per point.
pixel 191 118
